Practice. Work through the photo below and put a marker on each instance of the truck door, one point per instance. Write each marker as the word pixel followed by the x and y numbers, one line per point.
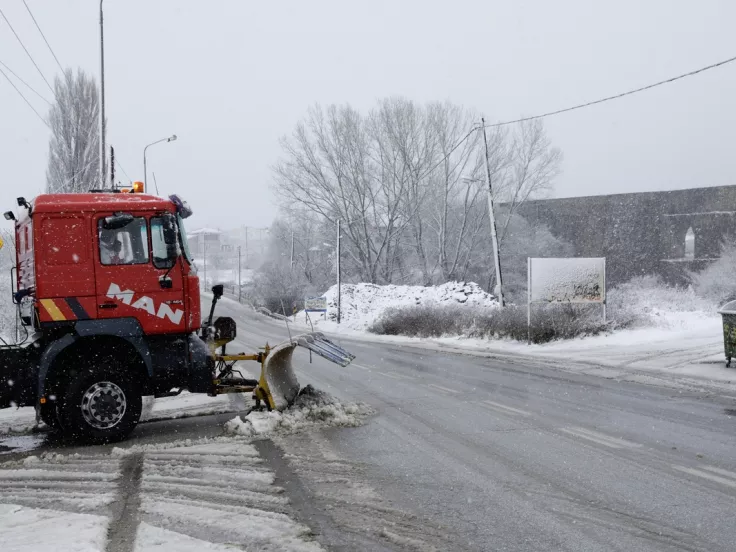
pixel 137 275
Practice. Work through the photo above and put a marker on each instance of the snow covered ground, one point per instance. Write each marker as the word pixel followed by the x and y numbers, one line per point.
pixel 312 408
pixel 27 529
pixel 190 495
pixel 678 341
pixel 362 304
pixel 15 421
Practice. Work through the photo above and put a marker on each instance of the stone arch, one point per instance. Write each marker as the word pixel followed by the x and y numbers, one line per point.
pixel 690 244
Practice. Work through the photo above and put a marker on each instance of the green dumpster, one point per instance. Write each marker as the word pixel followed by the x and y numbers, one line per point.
pixel 728 312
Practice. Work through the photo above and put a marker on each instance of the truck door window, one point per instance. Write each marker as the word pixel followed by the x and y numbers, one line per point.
pixel 124 246
pixel 161 257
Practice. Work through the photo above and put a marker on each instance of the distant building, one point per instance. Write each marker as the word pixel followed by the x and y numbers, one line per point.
pixel 665 233
pixel 204 239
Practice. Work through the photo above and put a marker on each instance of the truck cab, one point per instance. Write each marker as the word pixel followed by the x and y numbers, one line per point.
pixel 109 296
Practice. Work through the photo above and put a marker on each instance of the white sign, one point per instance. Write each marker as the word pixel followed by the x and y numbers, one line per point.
pixel 315 304
pixel 570 280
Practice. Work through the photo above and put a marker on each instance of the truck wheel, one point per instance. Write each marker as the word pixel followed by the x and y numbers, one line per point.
pixel 101 405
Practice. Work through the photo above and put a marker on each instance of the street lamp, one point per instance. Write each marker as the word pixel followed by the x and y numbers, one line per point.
pixel 102 101
pixel 145 170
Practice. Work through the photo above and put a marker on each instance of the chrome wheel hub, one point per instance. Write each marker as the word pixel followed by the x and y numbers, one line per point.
pixel 103 405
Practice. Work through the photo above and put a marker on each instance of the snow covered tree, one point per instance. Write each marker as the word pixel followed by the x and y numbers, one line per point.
pixel 73 163
pixel 407 182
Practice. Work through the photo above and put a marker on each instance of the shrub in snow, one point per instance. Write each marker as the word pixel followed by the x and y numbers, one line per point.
pixel 278 288
pixel 646 300
pixel 362 304
pixel 717 282
pixel 435 320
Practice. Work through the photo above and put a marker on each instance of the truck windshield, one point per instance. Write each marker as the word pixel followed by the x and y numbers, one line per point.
pixel 184 241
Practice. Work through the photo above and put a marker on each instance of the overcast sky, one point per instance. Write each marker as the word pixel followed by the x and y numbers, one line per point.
pixel 231 77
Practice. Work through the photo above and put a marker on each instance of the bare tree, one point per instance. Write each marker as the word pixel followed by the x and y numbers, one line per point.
pixel 73 164
pixel 533 165
pixel 408 184
pixel 407 149
pixel 329 168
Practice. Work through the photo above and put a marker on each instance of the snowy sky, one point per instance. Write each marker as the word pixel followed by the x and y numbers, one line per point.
pixel 231 77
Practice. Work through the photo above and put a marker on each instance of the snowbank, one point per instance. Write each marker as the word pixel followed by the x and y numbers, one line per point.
pixel 37 530
pixel 362 304
pixel 311 408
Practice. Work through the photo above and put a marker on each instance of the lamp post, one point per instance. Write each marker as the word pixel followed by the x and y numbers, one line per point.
pixel 102 101
pixel 145 169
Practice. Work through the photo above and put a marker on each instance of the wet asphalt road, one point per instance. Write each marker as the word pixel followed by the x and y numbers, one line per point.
pixel 499 454
pixel 519 456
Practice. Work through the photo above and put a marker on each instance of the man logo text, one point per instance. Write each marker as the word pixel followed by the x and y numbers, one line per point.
pixel 145 303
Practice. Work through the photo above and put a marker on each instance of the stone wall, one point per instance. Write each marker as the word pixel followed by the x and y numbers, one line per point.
pixel 642 233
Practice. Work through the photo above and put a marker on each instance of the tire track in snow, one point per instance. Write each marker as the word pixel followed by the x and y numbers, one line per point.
pixel 70 483
pixel 121 533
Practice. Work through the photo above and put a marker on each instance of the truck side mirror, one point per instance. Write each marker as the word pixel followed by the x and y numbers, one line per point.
pixel 169 228
pixel 218 290
pixel 117 221
pixel 171 235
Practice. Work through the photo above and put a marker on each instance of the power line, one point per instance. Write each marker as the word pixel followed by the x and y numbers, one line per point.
pixel 24 98
pixel 615 97
pixel 9 70
pixel 27 52
pixel 44 37
pixel 449 153
pixel 579 106
pixel 122 169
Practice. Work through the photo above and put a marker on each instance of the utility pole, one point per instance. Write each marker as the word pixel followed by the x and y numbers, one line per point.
pixel 112 167
pixel 204 258
pixel 338 270
pixel 102 101
pixel 494 236
pixel 240 285
pixel 291 262
pixel 246 247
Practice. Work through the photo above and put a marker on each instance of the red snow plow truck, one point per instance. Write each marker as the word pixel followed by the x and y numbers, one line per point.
pixel 109 304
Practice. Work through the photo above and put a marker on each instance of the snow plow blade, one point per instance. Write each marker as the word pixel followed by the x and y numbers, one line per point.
pixel 278 386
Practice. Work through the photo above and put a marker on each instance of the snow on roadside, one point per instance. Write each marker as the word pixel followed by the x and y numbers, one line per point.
pixel 676 338
pixel 14 421
pixel 151 538
pixel 312 408
pixel 213 494
pixel 26 529
pixel 362 304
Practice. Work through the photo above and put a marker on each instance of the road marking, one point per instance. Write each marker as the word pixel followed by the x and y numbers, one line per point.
pixel 502 408
pixel 394 376
pixel 446 389
pixel 600 438
pixel 360 366
pixel 706 475
pixel 721 471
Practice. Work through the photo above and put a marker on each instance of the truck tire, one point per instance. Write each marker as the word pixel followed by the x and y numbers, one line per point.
pixel 101 404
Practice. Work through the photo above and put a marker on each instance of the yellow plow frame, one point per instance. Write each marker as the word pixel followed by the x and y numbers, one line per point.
pixel 277 386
